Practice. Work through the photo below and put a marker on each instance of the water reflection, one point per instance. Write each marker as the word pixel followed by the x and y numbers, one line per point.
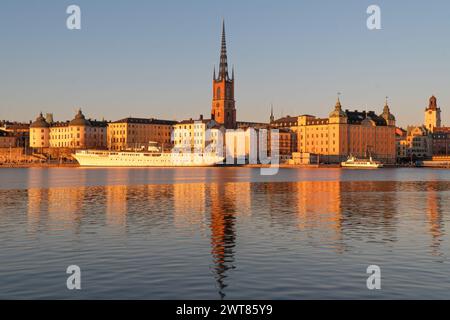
pixel 435 219
pixel 332 216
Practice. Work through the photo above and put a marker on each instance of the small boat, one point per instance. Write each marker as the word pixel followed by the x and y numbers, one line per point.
pixel 354 163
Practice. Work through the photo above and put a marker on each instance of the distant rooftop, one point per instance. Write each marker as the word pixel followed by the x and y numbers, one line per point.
pixel 145 121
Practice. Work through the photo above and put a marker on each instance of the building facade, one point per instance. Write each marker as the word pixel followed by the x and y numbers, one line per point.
pixel 202 135
pixel 7 139
pixel 79 133
pixel 432 115
pixel 20 131
pixel 418 142
pixel 133 133
pixel 287 127
pixel 223 110
pixel 346 133
pixel 441 142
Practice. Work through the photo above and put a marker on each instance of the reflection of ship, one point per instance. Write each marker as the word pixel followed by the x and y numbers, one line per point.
pixel 151 158
pixel 352 162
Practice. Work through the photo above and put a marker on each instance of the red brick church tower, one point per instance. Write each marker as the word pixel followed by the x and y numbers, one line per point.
pixel 223 109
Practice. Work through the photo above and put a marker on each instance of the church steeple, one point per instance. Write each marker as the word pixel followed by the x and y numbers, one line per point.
pixel 223 68
pixel 223 109
pixel 272 117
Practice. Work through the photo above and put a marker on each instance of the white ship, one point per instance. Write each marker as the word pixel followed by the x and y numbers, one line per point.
pixel 354 163
pixel 152 158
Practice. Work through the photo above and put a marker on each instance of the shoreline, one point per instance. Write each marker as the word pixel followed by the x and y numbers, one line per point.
pixel 257 166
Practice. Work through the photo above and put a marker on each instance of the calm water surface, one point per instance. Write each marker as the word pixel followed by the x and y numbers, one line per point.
pixel 230 233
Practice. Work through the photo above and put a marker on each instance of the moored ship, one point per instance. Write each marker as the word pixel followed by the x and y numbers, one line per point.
pixel 354 163
pixel 98 158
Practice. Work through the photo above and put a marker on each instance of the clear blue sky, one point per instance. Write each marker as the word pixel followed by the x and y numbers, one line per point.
pixel 155 58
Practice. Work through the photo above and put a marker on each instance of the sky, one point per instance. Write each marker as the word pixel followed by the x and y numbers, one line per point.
pixel 149 58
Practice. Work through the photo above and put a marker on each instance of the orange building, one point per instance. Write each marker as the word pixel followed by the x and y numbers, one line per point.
pixel 346 133
pixel 132 133
pixel 79 133
pixel 223 109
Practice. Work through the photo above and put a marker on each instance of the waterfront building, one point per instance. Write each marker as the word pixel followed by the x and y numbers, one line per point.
pixel 441 142
pixel 132 133
pixel 418 142
pixel 287 127
pixel 7 139
pixel 401 144
pixel 432 115
pixel 198 136
pixel 20 131
pixel 79 133
pixel 223 109
pixel 344 133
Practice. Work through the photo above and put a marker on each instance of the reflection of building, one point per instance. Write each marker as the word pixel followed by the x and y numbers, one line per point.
pixel 116 204
pixel 434 214
pixel 223 234
pixel 136 133
pixel 79 133
pixel 320 208
pixel 346 133
pixel 189 204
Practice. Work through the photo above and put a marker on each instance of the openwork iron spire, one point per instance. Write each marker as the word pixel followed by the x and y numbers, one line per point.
pixel 223 69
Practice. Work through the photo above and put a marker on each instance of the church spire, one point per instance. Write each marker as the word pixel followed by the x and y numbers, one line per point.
pixel 272 117
pixel 338 106
pixel 223 69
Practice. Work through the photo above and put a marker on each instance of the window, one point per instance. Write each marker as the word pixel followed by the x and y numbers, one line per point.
pixel 218 93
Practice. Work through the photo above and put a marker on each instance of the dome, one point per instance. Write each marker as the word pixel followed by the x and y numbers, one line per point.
pixel 338 111
pixel 40 122
pixel 387 115
pixel 80 120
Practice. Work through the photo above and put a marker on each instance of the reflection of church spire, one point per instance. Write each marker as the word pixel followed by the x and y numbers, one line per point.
pixel 223 236
pixel 434 211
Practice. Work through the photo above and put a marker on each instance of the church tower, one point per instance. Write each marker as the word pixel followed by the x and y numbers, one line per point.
pixel 432 115
pixel 223 109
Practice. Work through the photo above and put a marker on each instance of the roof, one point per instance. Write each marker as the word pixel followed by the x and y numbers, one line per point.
pixel 191 121
pixel 5 134
pixel 146 121
pixel 40 122
pixel 356 117
pixel 80 120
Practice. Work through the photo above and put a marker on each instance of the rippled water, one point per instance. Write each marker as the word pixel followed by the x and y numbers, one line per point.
pixel 229 233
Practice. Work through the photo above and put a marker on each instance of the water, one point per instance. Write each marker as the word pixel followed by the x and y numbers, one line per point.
pixel 224 233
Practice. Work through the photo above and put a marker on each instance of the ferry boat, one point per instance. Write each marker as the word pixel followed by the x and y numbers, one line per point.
pixel 152 158
pixel 354 163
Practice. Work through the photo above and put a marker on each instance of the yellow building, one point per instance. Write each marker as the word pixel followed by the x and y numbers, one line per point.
pixel 132 133
pixel 346 133
pixel 78 133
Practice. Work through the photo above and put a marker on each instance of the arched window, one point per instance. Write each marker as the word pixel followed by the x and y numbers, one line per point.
pixel 218 93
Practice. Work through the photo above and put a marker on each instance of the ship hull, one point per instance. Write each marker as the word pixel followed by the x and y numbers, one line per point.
pixel 143 159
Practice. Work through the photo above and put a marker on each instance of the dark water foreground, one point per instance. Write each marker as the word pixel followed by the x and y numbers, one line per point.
pixel 228 233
